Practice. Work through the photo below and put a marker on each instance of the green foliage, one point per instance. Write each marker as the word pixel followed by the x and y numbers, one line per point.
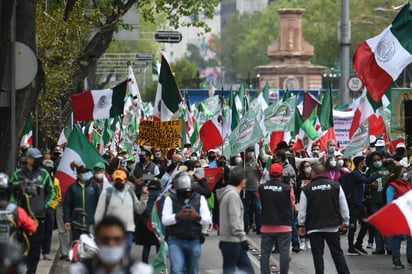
pixel 245 38
pixel 174 10
pixel 59 43
pixel 185 73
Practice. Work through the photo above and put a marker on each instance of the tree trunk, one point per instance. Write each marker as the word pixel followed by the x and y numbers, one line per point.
pixel 26 98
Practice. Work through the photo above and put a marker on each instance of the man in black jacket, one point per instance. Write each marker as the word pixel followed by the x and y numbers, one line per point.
pixel 276 197
pixel 357 207
pixel 323 212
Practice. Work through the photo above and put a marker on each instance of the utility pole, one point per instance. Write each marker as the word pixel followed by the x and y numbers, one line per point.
pixel 344 41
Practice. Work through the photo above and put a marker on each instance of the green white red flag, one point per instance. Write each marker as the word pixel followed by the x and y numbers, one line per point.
pixel 381 59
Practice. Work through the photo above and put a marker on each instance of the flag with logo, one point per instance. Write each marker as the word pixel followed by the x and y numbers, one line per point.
pixel 168 96
pixel 280 116
pixel 248 132
pixel 358 141
pixel 381 59
pixel 78 150
pixel 99 104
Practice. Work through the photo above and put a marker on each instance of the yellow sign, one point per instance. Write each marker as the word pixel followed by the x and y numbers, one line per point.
pixel 162 134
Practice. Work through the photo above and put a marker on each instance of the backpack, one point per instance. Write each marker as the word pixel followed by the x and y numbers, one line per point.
pixel 109 192
pixel 346 184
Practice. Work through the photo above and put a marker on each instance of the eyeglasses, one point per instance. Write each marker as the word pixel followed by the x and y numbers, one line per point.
pixel 107 240
pixel 198 166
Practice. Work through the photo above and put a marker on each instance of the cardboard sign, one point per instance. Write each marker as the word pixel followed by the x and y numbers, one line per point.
pixel 162 134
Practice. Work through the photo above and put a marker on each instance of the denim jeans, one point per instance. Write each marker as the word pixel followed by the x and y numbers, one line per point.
pixel 266 245
pixel 235 259
pixel 184 255
pixel 396 246
pixel 251 198
pixel 48 230
pixel 130 236
pixel 317 242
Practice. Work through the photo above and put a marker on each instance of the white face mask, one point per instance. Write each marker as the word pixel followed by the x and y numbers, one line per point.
pixel 332 163
pixel 158 155
pixel 404 176
pixel 99 176
pixel 307 170
pixel 340 163
pixel 111 254
pixel 193 158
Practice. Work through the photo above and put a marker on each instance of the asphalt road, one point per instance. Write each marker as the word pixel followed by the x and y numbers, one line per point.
pixel 301 263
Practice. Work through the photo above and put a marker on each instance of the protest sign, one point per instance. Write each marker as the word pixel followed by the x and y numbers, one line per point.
pixel 162 134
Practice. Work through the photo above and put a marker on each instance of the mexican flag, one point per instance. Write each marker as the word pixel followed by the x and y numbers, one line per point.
pixel 78 150
pixel 168 96
pixel 27 137
pixel 395 218
pixel 214 131
pixel 381 59
pixel 99 104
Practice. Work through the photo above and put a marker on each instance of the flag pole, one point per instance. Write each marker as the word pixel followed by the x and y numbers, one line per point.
pixel 222 98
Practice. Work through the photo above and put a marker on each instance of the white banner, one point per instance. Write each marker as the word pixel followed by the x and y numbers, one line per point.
pixel 342 122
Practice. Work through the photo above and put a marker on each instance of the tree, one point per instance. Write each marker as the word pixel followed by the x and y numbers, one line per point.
pixel 185 73
pixel 110 13
pixel 245 38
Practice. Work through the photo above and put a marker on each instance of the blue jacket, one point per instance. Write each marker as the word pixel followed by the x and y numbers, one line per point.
pixel 358 181
pixel 78 197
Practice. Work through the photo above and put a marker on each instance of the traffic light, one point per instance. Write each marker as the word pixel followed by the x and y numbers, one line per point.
pixel 164 36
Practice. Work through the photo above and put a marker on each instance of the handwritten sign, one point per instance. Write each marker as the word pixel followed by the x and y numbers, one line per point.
pixel 162 134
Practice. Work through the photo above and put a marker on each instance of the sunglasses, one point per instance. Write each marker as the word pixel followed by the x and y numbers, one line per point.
pixel 107 240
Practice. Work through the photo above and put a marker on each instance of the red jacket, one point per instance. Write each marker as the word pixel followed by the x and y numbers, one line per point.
pixel 25 222
pixel 401 187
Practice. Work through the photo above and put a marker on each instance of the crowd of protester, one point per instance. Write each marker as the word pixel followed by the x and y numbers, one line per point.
pixel 272 193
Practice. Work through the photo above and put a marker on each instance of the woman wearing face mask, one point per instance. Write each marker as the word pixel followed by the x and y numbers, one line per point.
pixel 333 171
pixel 303 179
pixel 398 185
pixel 80 197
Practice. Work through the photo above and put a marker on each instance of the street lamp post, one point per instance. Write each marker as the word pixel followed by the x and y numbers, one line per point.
pixel 344 50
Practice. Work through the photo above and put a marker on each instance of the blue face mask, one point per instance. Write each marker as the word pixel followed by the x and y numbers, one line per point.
pixel 377 164
pixel 86 176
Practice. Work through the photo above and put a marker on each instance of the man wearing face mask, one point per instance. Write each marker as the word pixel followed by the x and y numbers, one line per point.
pixel 100 177
pixel 212 157
pixel 120 201
pixel 183 214
pixel 159 161
pixel 358 181
pixel 111 238
pixel 35 201
pixel 80 197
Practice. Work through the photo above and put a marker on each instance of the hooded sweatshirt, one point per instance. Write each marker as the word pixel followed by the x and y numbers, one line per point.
pixel 231 225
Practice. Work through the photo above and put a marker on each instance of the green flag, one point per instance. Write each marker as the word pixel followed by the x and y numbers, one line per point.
pixel 248 132
pixel 235 115
pixel 308 127
pixel 358 140
pixel 265 92
pixel 280 116
pixel 326 110
pixel 159 263
pixel 287 95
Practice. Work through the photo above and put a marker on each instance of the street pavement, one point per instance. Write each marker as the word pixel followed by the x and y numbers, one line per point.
pixel 301 263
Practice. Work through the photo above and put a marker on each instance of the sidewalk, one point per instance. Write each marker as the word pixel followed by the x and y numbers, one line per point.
pixel 45 266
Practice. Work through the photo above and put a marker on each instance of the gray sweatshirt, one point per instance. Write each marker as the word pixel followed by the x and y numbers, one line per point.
pixel 231 225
